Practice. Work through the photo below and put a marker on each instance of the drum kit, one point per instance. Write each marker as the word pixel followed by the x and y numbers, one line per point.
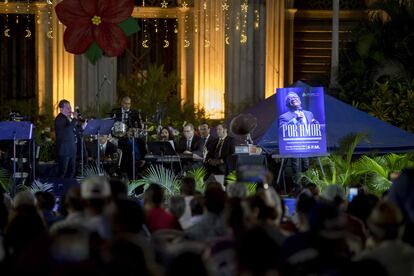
pixel 120 130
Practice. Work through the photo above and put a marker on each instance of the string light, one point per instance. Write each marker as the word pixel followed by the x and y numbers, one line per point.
pixel 206 27
pixel 28 32
pixel 225 7
pixel 166 42
pixel 17 13
pixel 244 10
pixel 175 26
pixel 145 39
pixel 6 26
pixel 256 19
pixel 186 41
pixel 50 19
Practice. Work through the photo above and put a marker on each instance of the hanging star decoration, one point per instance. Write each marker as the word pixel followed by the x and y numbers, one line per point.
pixel 205 5
pixel 96 27
pixel 164 4
pixel 184 5
pixel 244 7
pixel 225 6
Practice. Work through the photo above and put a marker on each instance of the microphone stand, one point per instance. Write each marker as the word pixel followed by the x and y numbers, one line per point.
pixel 98 95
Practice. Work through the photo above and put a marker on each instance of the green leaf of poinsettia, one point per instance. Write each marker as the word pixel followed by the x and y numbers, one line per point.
pixel 129 26
pixel 94 53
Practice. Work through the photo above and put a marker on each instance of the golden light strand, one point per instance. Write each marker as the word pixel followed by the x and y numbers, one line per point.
pixel 28 32
pixel 166 41
pixel 6 26
pixel 225 7
pixel 50 19
pixel 206 27
pixel 244 10
pixel 145 39
pixel 256 19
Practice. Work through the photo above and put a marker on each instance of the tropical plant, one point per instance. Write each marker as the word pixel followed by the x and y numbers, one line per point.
pixel 337 167
pixel 232 178
pixel 38 186
pixel 377 64
pixel 198 174
pixel 91 170
pixel 157 174
pixel 376 170
pixel 341 168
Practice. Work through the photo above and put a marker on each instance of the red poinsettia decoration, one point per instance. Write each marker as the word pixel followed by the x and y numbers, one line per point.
pixel 94 26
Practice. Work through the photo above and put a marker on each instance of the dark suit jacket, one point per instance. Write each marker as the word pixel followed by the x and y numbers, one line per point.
pixel 65 136
pixel 93 150
pixel 210 143
pixel 133 117
pixel 226 150
pixel 196 145
pixel 289 118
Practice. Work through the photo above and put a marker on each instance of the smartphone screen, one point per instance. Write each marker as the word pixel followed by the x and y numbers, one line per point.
pixel 352 193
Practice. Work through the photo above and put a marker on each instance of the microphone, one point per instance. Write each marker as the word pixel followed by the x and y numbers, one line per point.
pixel 107 80
pixel 77 110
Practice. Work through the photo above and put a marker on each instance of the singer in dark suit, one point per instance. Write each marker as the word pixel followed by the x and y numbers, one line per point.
pixel 217 159
pixel 66 140
pixel 295 115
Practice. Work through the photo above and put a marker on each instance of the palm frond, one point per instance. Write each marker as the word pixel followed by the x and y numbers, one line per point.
pixel 5 180
pixel 198 174
pixel 38 186
pixel 367 164
pixel 91 170
pixel 158 175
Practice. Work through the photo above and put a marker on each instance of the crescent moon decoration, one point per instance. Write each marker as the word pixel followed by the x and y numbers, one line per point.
pixel 49 2
pixel 6 32
pixel 206 43
pixel 28 33
pixel 186 43
pixel 227 39
pixel 144 43
pixel 49 34
pixel 166 43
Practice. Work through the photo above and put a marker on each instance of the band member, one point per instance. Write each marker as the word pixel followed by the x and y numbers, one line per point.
pixel 216 160
pixel 207 140
pixel 125 114
pixel 107 149
pixel 190 143
pixel 108 153
pixel 165 135
pixel 65 123
pixel 130 141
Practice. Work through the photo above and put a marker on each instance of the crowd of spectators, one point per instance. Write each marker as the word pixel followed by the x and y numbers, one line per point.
pixel 223 231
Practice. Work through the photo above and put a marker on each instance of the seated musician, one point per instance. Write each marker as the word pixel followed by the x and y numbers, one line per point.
pixel 191 146
pixel 108 153
pixel 216 160
pixel 165 135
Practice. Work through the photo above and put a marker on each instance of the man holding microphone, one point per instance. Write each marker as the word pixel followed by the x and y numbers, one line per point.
pixel 65 124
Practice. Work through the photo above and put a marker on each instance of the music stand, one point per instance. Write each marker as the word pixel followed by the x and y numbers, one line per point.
pixel 96 128
pixel 15 131
pixel 161 148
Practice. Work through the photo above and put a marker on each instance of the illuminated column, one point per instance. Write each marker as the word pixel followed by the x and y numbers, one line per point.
pixel 63 67
pixel 275 33
pixel 209 62
pixel 290 38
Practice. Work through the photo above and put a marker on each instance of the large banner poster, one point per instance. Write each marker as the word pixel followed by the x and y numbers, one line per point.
pixel 301 114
